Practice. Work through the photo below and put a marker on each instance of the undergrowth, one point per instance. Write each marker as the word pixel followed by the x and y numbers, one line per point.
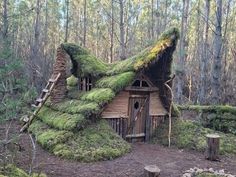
pixel 218 117
pixel 192 135
pixel 13 171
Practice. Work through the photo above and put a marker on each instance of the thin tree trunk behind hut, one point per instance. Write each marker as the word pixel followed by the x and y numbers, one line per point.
pixel 217 53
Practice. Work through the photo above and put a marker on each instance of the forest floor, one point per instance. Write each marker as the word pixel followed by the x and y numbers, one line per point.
pixel 173 162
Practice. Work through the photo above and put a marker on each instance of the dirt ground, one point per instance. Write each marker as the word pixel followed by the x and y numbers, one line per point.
pixel 171 161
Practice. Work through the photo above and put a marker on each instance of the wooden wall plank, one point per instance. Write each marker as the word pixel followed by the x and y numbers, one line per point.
pixel 156 107
pixel 118 107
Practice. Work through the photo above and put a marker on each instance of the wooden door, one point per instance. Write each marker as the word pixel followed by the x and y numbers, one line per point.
pixel 138 105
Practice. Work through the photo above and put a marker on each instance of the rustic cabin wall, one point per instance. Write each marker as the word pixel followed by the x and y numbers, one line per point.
pixel 118 107
pixel 155 121
pixel 155 106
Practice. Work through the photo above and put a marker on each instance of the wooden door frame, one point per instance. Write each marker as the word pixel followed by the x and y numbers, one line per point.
pixel 147 116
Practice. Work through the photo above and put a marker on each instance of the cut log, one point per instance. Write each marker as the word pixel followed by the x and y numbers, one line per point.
pixel 151 171
pixel 213 146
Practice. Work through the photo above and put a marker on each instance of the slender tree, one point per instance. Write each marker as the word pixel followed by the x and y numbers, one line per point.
pixel 182 51
pixel 204 57
pixel 217 55
pixel 122 31
pixel 112 32
pixel 67 20
pixel 85 23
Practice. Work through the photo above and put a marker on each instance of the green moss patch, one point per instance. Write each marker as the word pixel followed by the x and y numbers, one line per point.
pixel 74 106
pixel 72 81
pixel 13 171
pixel 192 135
pixel 116 82
pixel 61 121
pixel 100 95
pixel 96 142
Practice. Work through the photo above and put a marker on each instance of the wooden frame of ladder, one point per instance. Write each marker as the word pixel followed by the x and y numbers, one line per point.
pixel 41 100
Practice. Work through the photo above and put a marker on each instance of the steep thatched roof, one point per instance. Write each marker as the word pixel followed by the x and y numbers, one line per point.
pixel 59 125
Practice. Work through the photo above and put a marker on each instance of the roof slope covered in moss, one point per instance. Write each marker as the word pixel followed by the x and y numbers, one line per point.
pixel 86 64
pixel 68 123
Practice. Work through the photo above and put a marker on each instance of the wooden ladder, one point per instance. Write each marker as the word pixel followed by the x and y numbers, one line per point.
pixel 41 100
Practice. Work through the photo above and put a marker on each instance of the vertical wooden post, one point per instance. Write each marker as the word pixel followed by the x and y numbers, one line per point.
pixel 84 84
pixel 148 122
pixel 213 146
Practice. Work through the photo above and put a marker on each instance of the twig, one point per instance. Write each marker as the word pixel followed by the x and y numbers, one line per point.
pixel 33 154
pixel 171 100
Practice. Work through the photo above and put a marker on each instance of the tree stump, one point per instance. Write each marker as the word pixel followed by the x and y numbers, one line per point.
pixel 151 171
pixel 213 146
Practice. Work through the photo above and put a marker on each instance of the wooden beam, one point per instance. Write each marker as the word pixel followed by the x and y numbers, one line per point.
pixel 140 135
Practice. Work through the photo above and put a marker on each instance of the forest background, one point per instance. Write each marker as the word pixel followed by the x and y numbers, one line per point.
pixel 31 31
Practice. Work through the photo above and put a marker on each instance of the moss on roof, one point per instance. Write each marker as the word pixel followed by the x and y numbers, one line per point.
pixel 116 82
pixel 62 127
pixel 85 64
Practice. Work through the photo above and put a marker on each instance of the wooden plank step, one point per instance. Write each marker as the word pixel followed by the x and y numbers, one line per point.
pixel 136 135
pixel 39 100
pixel 45 90
pixel 52 80
pixel 34 105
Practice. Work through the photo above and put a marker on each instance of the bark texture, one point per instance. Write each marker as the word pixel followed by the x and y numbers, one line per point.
pixel 59 91
pixel 217 54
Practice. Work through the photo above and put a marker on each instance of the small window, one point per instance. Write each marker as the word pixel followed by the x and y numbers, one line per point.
pixel 140 83
pixel 136 105
pixel 136 83
pixel 85 84
pixel 145 84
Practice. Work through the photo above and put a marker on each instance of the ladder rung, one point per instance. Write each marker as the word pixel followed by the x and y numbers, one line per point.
pixel 34 105
pixel 51 80
pixel 45 90
pixel 39 100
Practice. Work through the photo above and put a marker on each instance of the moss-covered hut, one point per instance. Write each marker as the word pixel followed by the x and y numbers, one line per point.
pixel 129 95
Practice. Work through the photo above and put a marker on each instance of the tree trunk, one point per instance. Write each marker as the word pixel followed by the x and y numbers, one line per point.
pixel 67 20
pixel 182 51
pixel 112 32
pixel 5 21
pixel 204 57
pixel 35 50
pixel 85 23
pixel 217 54
pixel 152 19
pixel 122 31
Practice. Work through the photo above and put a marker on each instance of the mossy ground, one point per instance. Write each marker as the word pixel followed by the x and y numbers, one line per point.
pixel 13 171
pixel 96 142
pixel 192 135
